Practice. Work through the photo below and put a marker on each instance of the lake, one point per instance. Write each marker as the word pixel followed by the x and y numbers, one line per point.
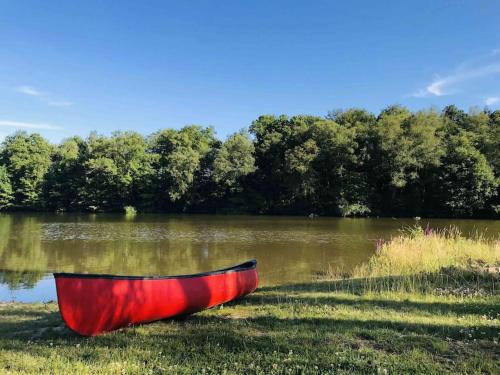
pixel 288 249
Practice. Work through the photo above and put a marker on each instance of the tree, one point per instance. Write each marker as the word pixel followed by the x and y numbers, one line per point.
pixel 455 116
pixel 234 161
pixel 6 195
pixel 177 157
pixel 422 133
pixel 407 151
pixel 115 171
pixel 390 158
pixel 466 180
pixel 491 148
pixel 393 146
pixel 338 182
pixel 281 147
pixel 492 155
pixel 298 165
pixel 27 159
pixel 358 192
pixel 65 180
pixel 477 124
pixel 423 163
pixel 129 152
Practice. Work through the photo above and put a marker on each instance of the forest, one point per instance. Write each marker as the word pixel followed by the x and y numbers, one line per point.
pixel 433 163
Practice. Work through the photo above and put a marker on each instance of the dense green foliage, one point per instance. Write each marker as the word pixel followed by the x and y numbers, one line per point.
pixel 351 162
pixel 5 188
pixel 27 158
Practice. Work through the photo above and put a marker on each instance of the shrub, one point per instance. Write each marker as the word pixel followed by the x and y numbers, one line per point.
pixel 130 211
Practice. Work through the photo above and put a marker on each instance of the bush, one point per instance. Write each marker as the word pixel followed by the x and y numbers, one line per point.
pixel 130 211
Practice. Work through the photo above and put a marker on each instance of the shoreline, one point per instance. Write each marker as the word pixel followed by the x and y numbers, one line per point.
pixel 249 214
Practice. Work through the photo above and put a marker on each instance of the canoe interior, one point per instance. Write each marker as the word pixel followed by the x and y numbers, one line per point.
pixel 248 265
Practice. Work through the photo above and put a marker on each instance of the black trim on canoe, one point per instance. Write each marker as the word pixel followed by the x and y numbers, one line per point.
pixel 248 265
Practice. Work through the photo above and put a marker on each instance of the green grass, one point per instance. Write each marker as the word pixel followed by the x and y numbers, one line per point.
pixel 320 327
pixel 442 318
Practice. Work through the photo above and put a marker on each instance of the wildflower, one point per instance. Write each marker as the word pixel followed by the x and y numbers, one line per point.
pixel 380 243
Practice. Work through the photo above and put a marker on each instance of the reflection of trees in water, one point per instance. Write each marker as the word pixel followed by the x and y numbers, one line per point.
pixel 123 253
pixel 107 244
pixel 20 279
pixel 28 249
pixel 22 260
pixel 5 222
pixel 288 249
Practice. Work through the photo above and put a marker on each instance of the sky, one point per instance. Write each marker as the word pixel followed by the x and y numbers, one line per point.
pixel 68 68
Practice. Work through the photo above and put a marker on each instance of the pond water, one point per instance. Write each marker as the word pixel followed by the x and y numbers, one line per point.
pixel 288 249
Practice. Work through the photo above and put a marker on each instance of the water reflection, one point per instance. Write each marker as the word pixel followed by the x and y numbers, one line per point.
pixel 20 279
pixel 288 249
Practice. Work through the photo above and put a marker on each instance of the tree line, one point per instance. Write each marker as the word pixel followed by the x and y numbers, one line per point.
pixel 348 163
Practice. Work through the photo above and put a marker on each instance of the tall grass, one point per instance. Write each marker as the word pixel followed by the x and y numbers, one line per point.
pixel 423 259
pixel 418 250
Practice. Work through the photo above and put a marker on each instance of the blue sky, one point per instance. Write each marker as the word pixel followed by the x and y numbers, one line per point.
pixel 72 67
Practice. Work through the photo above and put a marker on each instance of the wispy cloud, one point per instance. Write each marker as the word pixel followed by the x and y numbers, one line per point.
pixel 45 97
pixel 481 67
pixel 28 125
pixel 492 100
pixel 28 90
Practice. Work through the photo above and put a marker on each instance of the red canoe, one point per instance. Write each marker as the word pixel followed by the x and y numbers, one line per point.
pixel 92 304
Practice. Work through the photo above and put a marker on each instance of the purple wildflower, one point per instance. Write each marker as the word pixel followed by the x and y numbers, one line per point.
pixel 428 231
pixel 380 243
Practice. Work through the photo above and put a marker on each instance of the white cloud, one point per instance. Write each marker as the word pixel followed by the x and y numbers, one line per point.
pixel 28 125
pixel 435 88
pixel 480 67
pixel 492 100
pixel 45 97
pixel 28 90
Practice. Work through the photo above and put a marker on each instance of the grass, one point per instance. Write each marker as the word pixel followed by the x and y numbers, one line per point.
pixel 329 326
pixel 418 250
pixel 295 329
pixel 419 259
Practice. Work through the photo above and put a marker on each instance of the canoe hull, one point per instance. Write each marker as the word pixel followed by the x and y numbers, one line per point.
pixel 92 304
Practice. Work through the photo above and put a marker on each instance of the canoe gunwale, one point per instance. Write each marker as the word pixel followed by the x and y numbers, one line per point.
pixel 246 266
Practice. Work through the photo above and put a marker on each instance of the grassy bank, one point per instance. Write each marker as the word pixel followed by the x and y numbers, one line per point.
pixel 419 250
pixel 362 324
pixel 427 261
